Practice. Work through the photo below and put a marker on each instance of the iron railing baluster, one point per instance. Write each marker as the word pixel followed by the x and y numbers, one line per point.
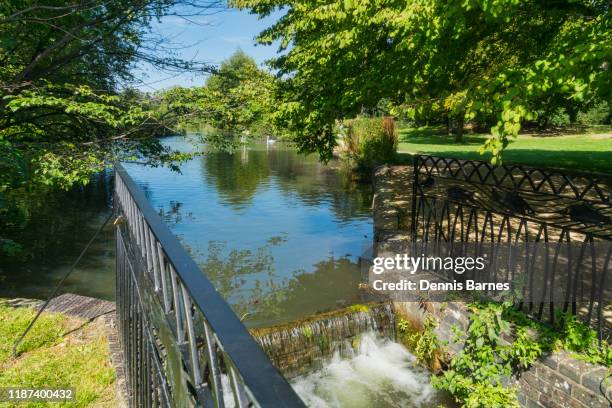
pixel 215 372
pixel 161 294
pixel 525 208
pixel 163 277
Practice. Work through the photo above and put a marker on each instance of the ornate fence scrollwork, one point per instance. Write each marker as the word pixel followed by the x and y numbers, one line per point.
pixel 182 344
pixel 556 227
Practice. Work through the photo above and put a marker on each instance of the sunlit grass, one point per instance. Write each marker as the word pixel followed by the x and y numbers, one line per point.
pixel 590 151
pixel 59 352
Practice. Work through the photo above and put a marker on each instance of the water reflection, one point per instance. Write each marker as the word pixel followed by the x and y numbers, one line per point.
pixel 302 179
pixel 279 234
pixel 52 235
pixel 235 176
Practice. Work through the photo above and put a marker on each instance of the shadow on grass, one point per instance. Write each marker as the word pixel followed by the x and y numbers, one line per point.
pixel 86 322
pixel 593 161
pixel 436 136
pixel 442 139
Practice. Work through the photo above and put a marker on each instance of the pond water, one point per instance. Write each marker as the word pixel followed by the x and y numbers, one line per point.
pixel 52 235
pixel 279 234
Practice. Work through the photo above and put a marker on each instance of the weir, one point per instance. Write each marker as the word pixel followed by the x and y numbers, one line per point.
pixel 349 358
pixel 304 346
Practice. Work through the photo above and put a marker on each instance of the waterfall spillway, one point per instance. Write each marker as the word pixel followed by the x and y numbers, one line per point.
pixel 301 347
pixel 349 359
pixel 380 373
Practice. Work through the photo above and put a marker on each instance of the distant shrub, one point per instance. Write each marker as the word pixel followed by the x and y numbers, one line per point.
pixel 598 114
pixel 559 118
pixel 371 141
pixel 553 118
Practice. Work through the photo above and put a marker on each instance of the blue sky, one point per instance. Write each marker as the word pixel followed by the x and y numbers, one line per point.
pixel 211 39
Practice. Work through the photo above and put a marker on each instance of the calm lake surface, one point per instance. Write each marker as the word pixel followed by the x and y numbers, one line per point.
pixel 278 233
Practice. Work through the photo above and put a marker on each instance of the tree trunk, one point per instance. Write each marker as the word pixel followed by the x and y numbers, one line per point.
pixel 572 113
pixel 459 129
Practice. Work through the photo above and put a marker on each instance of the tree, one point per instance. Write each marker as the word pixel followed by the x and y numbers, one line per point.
pixel 239 96
pixel 498 58
pixel 66 110
pixel 62 116
pixel 237 99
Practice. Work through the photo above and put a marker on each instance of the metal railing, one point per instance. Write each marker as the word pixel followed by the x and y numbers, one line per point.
pixel 553 229
pixel 182 344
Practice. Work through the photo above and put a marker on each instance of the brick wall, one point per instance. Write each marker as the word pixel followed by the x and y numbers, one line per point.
pixel 557 380
pixel 560 380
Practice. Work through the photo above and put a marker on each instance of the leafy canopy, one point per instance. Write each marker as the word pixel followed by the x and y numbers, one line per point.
pixel 496 58
pixel 66 109
pixel 62 116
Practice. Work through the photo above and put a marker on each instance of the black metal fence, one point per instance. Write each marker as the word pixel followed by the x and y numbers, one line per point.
pixel 553 229
pixel 183 346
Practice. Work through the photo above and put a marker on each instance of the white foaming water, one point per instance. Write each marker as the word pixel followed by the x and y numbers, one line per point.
pixel 381 373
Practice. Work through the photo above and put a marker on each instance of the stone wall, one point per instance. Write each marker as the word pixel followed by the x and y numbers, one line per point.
pixel 391 207
pixel 560 380
pixel 556 381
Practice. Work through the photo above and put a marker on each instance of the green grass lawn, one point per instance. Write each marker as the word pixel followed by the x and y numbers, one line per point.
pixel 589 151
pixel 58 352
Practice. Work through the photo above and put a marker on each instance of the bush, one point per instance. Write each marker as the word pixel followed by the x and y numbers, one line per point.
pixel 598 114
pixel 371 141
pixel 559 118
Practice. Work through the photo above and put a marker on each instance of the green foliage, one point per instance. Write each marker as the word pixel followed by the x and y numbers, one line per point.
pixel 523 351
pixel 237 100
pixel 63 116
pixel 238 97
pixel 370 141
pixel 476 373
pixel 577 337
pixel 403 326
pixel 567 333
pixel 559 118
pixel 598 114
pixel 500 59
pixel 426 343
